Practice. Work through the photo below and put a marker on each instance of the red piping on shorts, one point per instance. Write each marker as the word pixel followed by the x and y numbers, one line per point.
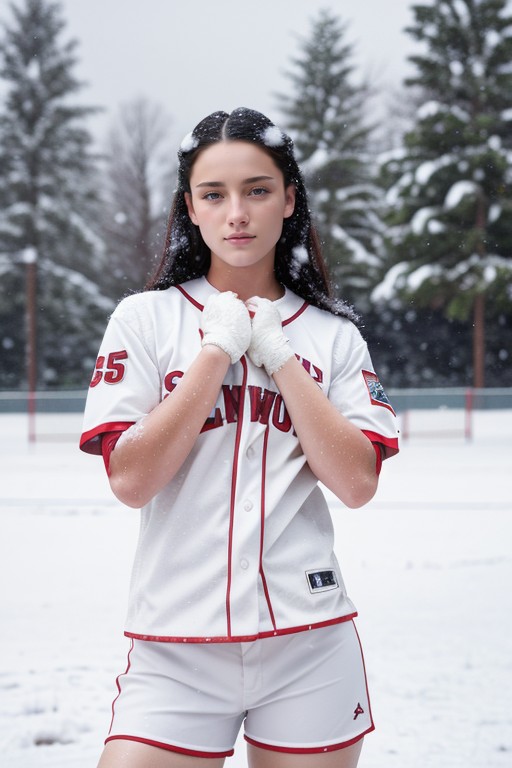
pixel 329 747
pixel 118 684
pixel 365 678
pixel 240 419
pixel 309 750
pixel 262 527
pixel 241 638
pixel 172 748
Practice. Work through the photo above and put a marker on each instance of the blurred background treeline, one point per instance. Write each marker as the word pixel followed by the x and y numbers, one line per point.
pixel 414 207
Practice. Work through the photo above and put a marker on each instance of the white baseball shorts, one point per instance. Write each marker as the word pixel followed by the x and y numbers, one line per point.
pixel 299 693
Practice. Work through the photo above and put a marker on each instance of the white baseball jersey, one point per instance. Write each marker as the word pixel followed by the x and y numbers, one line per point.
pixel 239 545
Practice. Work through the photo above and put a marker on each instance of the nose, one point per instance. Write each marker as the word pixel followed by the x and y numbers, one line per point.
pixel 238 213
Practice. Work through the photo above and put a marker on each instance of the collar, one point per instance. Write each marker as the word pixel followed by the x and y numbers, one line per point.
pixel 197 291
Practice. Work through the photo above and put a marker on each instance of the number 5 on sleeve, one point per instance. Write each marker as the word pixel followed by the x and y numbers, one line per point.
pixel 113 372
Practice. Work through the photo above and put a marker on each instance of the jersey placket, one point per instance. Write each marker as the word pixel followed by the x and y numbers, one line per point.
pixel 244 549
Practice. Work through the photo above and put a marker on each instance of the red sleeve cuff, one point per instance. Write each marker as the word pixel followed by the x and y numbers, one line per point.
pixel 378 454
pixel 108 443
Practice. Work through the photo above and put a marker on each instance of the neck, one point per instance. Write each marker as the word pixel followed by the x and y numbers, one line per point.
pixel 246 284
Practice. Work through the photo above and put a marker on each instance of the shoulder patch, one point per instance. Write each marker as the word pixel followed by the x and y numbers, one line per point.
pixel 376 390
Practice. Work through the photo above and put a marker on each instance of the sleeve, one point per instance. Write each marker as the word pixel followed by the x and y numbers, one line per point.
pixel 125 384
pixel 356 391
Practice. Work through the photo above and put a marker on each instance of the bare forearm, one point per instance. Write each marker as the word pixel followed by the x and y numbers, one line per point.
pixel 339 454
pixel 149 456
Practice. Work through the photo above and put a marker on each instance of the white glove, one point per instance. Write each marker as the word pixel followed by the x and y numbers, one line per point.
pixel 269 346
pixel 226 324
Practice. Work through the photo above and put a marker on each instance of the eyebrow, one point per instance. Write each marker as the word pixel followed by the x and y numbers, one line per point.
pixel 250 180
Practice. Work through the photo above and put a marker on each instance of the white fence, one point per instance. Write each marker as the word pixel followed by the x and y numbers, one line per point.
pixel 445 412
pixel 433 412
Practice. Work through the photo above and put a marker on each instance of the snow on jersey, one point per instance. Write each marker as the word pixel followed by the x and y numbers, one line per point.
pixel 239 544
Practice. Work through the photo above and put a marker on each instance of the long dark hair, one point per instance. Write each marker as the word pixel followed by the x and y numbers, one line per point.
pixel 299 264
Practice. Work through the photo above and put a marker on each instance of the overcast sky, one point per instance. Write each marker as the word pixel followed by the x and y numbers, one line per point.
pixel 195 56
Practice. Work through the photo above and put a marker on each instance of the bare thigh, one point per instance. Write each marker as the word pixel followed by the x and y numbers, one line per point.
pixel 341 758
pixel 122 753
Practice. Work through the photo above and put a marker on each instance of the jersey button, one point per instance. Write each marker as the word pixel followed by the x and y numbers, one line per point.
pixel 244 564
pixel 248 505
pixel 250 453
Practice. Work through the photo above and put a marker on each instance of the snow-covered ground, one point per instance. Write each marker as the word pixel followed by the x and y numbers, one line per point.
pixel 428 563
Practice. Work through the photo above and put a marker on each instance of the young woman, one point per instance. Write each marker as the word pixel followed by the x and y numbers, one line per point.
pixel 222 396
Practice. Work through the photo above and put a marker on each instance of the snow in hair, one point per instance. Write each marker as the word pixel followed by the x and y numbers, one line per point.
pixel 189 143
pixel 273 136
pixel 300 256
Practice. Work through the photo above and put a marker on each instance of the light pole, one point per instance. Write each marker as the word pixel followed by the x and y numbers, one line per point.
pixel 29 258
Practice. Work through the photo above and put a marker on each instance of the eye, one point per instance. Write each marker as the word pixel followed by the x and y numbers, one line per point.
pixel 211 196
pixel 259 191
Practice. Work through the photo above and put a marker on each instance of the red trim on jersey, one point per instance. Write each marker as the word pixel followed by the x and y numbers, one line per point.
pixel 196 304
pixel 171 747
pixel 240 420
pixel 200 306
pixel 118 684
pixel 241 638
pixel 297 314
pixel 262 526
pixel 90 441
pixel 390 444
pixel 309 750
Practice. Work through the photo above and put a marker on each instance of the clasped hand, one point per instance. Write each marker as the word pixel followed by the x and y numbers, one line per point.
pixel 254 327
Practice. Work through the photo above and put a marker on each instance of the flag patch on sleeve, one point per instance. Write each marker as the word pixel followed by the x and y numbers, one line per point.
pixel 376 390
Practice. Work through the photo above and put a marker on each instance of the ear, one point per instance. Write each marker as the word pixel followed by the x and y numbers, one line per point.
pixel 289 201
pixel 190 208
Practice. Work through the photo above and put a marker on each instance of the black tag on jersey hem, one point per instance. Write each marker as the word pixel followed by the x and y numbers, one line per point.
pixel 321 581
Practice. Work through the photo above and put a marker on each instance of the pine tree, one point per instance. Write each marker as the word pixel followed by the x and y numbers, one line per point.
pixel 49 201
pixel 449 186
pixel 140 173
pixel 325 117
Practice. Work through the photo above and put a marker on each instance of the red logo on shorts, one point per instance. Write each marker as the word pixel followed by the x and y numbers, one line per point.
pixel 358 711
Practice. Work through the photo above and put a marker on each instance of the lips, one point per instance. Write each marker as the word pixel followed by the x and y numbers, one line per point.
pixel 240 237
